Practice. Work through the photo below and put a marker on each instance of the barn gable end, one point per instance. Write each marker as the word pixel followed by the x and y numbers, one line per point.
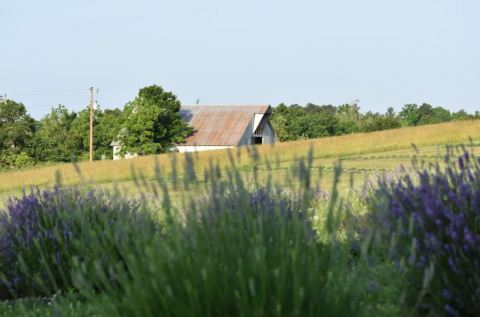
pixel 225 126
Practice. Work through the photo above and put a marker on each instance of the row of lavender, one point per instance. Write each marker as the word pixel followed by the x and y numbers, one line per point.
pixel 239 251
pixel 431 221
pixel 44 233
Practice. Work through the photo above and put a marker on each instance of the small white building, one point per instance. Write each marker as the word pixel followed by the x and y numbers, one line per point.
pixel 221 127
pixel 116 147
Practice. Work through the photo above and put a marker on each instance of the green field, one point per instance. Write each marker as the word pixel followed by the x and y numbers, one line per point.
pixel 362 156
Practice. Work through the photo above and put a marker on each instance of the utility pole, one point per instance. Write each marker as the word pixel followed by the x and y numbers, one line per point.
pixel 91 124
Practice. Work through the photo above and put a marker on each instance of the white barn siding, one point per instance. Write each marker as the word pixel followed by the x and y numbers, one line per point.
pixel 268 135
pixel 199 148
pixel 116 153
pixel 246 138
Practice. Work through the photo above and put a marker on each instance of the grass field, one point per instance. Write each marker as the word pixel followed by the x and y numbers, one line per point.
pixel 362 156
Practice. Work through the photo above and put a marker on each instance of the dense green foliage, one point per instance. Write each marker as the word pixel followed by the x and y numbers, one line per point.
pixel 107 125
pixel 152 123
pixel 52 141
pixel 295 122
pixel 17 130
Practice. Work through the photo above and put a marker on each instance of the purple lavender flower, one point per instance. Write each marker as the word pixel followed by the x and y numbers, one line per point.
pixel 447 294
pixel 451 311
pixel 461 163
pixel 38 231
pixel 439 217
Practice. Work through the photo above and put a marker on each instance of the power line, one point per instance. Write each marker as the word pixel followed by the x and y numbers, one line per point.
pixel 49 93
pixel 76 103
pixel 57 92
pixel 5 97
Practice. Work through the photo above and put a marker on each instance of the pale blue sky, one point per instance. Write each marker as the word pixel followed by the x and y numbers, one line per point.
pixel 384 53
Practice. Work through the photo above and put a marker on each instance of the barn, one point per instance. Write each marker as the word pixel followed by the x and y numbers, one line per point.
pixel 220 127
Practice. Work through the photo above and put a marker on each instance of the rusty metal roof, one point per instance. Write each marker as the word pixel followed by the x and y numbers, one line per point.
pixel 219 125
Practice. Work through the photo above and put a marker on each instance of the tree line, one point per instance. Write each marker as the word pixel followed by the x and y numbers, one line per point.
pixel 296 122
pixel 151 124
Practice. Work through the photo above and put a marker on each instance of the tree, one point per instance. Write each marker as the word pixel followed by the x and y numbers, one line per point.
pixel 429 114
pixel 440 114
pixel 390 112
pixel 78 137
pixel 16 126
pixel 377 122
pixel 425 111
pixel 152 123
pixel 410 115
pixel 280 123
pixel 348 116
pixel 51 142
pixel 462 115
pixel 106 126
pixel 106 130
pixel 321 120
pixel 297 122
pixel 16 132
pixel 350 112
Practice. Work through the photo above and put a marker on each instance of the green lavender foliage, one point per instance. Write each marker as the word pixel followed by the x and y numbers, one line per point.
pixel 431 220
pixel 44 234
pixel 241 250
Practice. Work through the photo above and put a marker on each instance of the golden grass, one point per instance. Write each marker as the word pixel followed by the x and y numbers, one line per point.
pixel 391 141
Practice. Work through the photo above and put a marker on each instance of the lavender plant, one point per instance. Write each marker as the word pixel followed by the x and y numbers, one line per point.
pixel 238 251
pixel 433 221
pixel 44 232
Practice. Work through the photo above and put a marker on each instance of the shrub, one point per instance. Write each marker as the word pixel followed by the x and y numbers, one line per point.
pixel 15 160
pixel 236 253
pixel 433 223
pixel 43 234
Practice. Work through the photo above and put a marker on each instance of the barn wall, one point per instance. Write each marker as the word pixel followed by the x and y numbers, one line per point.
pixel 268 135
pixel 246 138
pixel 117 156
pixel 198 148
pixel 116 152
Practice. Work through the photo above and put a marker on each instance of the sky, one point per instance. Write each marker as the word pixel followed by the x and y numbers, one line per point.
pixel 380 52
